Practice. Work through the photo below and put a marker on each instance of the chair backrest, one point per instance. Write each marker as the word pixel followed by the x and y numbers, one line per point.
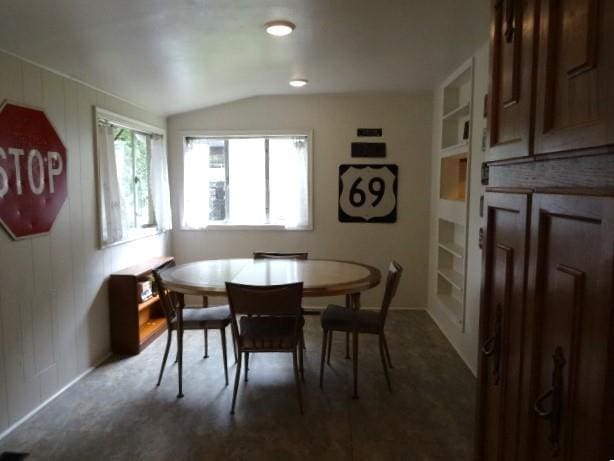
pixel 168 299
pixel 275 255
pixel 392 282
pixel 278 300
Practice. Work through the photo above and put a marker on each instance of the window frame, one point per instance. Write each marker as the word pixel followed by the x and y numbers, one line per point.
pixel 225 134
pixel 120 121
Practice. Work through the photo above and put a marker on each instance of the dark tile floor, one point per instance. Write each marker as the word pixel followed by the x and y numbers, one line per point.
pixel 117 412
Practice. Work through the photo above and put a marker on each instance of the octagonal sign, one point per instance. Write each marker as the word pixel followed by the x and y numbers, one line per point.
pixel 33 178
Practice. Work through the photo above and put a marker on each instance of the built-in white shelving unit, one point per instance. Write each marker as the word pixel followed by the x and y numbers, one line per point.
pixel 454 165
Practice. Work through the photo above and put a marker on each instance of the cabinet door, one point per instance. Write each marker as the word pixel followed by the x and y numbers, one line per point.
pixel 512 46
pixel 501 326
pixel 575 75
pixel 570 283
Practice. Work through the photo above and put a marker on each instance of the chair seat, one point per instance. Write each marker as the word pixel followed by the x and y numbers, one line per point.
pixel 341 318
pixel 268 332
pixel 205 317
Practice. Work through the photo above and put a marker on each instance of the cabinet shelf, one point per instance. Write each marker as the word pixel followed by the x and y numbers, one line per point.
pixel 148 303
pixel 452 306
pixel 455 278
pixel 454 211
pixel 151 329
pixel 457 149
pixel 459 112
pixel 453 248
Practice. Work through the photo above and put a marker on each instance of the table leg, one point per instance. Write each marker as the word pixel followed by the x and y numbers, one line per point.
pixel 348 305
pixel 355 306
pixel 180 344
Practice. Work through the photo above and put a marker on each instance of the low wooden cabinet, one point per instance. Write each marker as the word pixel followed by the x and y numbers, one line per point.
pixel 134 323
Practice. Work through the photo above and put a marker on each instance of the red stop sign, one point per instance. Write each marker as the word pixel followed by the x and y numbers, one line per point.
pixel 32 171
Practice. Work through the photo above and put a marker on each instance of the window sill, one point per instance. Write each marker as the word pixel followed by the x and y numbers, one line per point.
pixel 248 227
pixel 133 235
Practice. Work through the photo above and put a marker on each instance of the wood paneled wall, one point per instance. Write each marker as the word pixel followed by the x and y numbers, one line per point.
pixel 54 322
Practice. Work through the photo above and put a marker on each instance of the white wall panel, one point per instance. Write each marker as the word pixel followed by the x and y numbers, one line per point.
pixel 54 321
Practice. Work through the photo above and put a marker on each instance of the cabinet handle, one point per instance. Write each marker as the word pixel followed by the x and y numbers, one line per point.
pixel 539 408
pixel 492 346
pixel 510 20
pixel 555 395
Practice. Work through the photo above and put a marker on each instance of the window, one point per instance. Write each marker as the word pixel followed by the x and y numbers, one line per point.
pixel 248 180
pixel 132 154
pixel 132 178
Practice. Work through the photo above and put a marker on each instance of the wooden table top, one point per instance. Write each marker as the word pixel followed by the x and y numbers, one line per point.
pixel 320 277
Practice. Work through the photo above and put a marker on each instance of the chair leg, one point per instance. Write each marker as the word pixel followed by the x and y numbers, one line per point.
pixel 355 357
pixel 347 345
pixel 166 350
pixel 324 343
pixel 236 388
pixel 383 356
pixel 246 365
pixel 330 345
pixel 387 351
pixel 301 346
pixel 224 354
pixel 177 353
pixel 234 346
pixel 206 344
pixel 297 380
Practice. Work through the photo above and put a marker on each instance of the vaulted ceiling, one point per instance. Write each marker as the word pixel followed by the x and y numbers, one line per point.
pixel 171 56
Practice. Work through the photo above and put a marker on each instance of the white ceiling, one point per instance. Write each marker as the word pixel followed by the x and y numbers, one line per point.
pixel 171 56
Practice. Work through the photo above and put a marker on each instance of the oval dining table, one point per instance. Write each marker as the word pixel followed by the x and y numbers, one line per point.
pixel 320 277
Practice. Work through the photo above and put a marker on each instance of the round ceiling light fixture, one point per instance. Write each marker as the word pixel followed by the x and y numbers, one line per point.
pixel 280 28
pixel 298 82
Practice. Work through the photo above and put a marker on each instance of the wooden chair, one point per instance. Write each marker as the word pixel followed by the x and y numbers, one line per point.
pixel 194 318
pixel 355 321
pixel 266 319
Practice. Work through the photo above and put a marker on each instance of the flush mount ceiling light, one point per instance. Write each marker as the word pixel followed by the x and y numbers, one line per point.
pixel 279 28
pixel 298 82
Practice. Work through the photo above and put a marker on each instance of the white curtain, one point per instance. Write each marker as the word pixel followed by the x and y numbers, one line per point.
pixel 289 176
pixel 196 185
pixel 300 218
pixel 160 192
pixel 109 186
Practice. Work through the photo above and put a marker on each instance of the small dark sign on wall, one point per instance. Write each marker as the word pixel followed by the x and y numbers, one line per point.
pixel 368 193
pixel 370 132
pixel 369 149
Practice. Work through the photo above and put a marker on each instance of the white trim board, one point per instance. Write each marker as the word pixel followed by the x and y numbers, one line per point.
pixel 25 418
pixel 434 319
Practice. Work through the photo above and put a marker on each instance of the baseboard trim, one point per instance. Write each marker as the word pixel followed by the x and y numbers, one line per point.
pixel 434 319
pixel 15 425
pixel 377 308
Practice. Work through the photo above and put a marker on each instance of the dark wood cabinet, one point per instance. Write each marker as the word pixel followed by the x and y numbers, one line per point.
pixel 513 33
pixel 575 73
pixel 571 300
pixel 546 367
pixel 134 323
pixel 552 67
pixel 501 358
